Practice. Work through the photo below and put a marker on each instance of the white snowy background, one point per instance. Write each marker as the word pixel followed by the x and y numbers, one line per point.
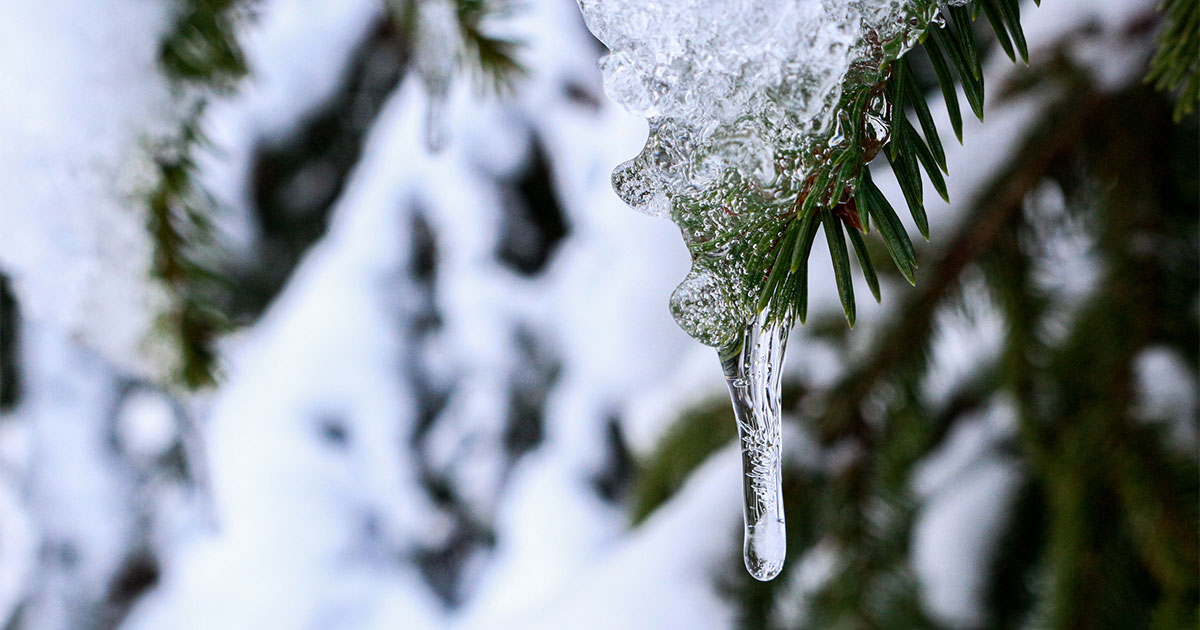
pixel 356 467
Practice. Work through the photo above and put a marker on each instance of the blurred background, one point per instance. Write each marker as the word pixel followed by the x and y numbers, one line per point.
pixel 268 361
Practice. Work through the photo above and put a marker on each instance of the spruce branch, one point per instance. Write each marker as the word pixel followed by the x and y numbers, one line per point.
pixel 990 219
pixel 202 46
pixel 1176 64
pixel 842 192
pixel 182 261
pixel 200 55
pixel 492 58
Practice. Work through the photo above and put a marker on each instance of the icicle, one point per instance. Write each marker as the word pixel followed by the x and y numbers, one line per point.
pixel 437 37
pixel 752 372
pixel 437 132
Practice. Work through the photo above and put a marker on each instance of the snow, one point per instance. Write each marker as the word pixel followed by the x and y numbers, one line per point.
pixel 72 393
pixel 661 575
pixel 290 77
pixel 967 487
pixel 966 340
pixel 17 529
pixel 146 425
pixel 75 149
pixel 1168 394
pixel 339 325
pixel 304 502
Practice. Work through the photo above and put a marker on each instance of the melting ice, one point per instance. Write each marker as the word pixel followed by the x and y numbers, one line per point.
pixel 746 100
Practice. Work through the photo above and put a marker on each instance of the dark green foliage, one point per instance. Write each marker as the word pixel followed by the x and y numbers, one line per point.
pixel 916 97
pixel 695 436
pixel 183 259
pixel 1123 545
pixel 1010 10
pixel 872 203
pixel 1176 65
pixel 202 46
pixel 10 322
pixel 958 25
pixel 949 40
pixel 1015 571
pixel 997 22
pixel 841 263
pixel 946 81
pixel 200 55
pixel 864 262
pixel 799 266
pixel 493 57
pixel 845 182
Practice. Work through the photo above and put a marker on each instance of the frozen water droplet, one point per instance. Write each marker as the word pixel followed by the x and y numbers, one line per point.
pixel 752 374
pixel 699 307
pixel 627 182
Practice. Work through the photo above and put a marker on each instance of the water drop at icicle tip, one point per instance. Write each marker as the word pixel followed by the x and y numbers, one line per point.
pixel 752 369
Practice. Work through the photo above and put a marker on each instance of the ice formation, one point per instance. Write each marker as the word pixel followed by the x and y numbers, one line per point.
pixel 748 101
pixel 434 56
pixel 752 375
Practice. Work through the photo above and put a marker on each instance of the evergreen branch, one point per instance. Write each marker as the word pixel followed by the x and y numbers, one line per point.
pixel 864 262
pixel 808 232
pixel 202 46
pixel 890 228
pixel 1010 11
pixel 694 436
pixel 924 116
pixel 989 220
pixel 843 185
pixel 1176 64
pixel 959 27
pixel 200 55
pixel 493 57
pixel 181 233
pixel 1097 460
pixel 947 84
pixel 997 21
pixel 841 262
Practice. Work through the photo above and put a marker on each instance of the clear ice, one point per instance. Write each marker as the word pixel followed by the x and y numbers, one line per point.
pixel 752 373
pixel 747 100
pixel 434 55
